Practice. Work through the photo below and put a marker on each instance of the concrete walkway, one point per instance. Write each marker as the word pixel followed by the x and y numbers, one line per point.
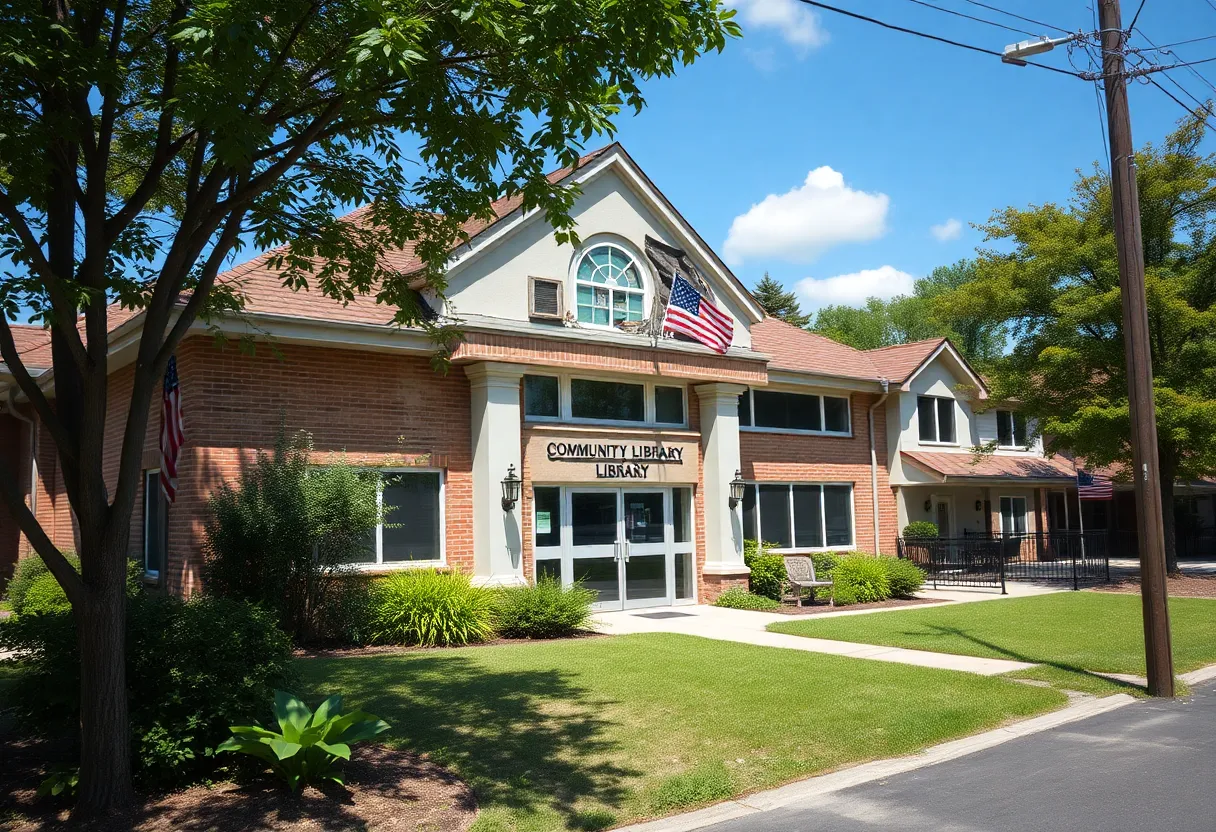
pixel 749 628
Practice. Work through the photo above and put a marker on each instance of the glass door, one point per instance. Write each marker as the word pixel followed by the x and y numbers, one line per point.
pixel 646 549
pixel 595 543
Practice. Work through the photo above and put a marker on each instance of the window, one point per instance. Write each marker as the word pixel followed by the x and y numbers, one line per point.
pixel 608 287
pixel 541 397
pixel 547 519
pixel 936 417
pixel 412 529
pixel 669 405
pixel 612 400
pixel 1013 515
pixel 156 525
pixel 1010 429
pixel 797 515
pixel 777 410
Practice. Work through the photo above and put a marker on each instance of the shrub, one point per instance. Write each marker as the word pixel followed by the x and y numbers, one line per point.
pixel 346 616
pixel 193 669
pixel 767 577
pixel 738 598
pixel 29 570
pixel 431 609
pixel 308 744
pixel 42 596
pixel 543 610
pixel 39 592
pixel 860 579
pixel 285 535
pixel 825 563
pixel 904 576
pixel 920 529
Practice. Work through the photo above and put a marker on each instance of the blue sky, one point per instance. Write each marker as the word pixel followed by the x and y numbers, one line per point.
pixel 905 134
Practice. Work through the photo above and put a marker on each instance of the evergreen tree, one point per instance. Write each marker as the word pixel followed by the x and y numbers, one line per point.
pixel 778 303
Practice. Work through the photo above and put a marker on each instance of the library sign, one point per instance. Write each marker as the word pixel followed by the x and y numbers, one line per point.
pixel 581 459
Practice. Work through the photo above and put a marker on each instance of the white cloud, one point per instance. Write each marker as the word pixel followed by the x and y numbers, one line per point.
pixel 853 289
pixel 801 224
pixel 951 229
pixel 794 21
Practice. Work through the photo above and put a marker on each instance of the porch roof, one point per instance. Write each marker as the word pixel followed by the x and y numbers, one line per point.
pixel 992 466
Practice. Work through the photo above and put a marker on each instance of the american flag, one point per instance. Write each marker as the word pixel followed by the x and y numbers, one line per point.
pixel 1094 487
pixel 172 431
pixel 694 316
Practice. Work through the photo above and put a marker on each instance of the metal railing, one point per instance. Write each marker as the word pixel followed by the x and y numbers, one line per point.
pixel 1072 557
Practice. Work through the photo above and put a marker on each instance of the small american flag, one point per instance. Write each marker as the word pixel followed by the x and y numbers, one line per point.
pixel 694 316
pixel 1094 487
pixel 172 431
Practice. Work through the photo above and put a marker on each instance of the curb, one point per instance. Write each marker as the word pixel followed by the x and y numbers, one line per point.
pixel 814 787
pixel 1196 677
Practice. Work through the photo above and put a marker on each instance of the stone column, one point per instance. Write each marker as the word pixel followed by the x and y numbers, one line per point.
pixel 495 406
pixel 720 450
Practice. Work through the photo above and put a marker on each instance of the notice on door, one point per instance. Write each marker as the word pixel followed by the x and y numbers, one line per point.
pixel 581 459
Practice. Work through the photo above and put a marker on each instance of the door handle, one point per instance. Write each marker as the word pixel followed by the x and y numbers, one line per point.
pixel 626 550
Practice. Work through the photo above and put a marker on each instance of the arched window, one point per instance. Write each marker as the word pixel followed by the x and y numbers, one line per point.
pixel 609 286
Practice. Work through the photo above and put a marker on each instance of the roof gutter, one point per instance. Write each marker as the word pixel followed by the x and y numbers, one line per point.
pixel 874 463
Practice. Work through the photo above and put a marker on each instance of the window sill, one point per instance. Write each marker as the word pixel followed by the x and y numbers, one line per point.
pixel 940 444
pixel 796 432
pixel 809 550
pixel 388 568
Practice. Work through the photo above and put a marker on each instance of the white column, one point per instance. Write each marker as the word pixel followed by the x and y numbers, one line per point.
pixel 720 447
pixel 497 540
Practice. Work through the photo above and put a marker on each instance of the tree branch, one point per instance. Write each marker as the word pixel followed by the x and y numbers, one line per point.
pixel 68 578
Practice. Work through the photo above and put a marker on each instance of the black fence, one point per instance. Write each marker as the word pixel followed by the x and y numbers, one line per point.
pixel 1189 544
pixel 1073 558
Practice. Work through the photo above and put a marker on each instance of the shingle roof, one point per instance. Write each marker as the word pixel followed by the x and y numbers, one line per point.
pixel 898 362
pixel 33 345
pixel 992 466
pixel 801 351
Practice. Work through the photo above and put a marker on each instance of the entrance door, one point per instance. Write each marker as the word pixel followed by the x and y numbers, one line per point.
pixel 944 529
pixel 595 543
pixel 646 550
pixel 621 545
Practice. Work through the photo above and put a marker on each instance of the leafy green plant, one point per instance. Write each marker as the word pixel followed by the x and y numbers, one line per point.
pixel 44 595
pixel 904 576
pixel 35 590
pixel 825 563
pixel 308 743
pixel 544 610
pixel 738 598
pixel 62 781
pixel 27 572
pixel 919 529
pixel 431 609
pixel 860 579
pixel 768 575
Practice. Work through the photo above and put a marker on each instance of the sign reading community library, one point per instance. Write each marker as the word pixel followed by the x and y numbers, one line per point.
pixel 583 459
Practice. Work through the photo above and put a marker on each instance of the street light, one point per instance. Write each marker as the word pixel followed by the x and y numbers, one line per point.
pixel 1017 53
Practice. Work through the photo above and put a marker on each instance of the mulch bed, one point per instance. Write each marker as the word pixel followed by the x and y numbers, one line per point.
pixel 386 790
pixel 1187 586
pixel 821 608
pixel 389 649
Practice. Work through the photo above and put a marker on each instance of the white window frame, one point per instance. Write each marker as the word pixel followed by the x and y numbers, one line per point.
pixel 753 428
pixel 379 563
pixel 937 428
pixel 1012 504
pixel 566 402
pixel 1013 434
pixel 149 473
pixel 639 265
pixel 823 516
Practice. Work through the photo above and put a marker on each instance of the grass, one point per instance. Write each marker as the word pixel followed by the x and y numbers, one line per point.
pixel 1068 633
pixel 592 733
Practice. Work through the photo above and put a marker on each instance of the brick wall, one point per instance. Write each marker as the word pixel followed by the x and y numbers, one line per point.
pixel 14 455
pixel 786 457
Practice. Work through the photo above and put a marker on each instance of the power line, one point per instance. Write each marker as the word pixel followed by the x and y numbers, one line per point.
pixel 1188 67
pixel 1136 16
pixel 976 19
pixel 1102 125
pixel 1180 42
pixel 1018 16
pixel 926 35
pixel 1176 99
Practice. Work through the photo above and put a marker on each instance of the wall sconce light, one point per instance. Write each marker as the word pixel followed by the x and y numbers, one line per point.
pixel 979 505
pixel 928 505
pixel 510 489
pixel 736 490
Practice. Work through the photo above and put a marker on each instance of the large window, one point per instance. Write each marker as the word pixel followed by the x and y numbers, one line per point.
pixel 156 525
pixel 1010 429
pixel 1013 515
pixel 936 417
pixel 554 398
pixel 776 410
pixel 412 529
pixel 608 287
pixel 799 515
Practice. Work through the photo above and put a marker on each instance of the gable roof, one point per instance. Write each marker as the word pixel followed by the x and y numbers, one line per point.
pixel 801 351
pixel 899 362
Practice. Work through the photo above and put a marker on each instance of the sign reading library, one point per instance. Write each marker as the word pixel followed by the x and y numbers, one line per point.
pixel 581 460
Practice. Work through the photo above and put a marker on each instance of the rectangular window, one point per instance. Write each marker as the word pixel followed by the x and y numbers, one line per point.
pixel 156 525
pixel 547 519
pixel 681 514
pixel 669 405
pixel 745 409
pixel 1013 515
pixel 411 530
pixel 797 515
pixel 541 397
pixel 611 400
pixel 794 411
pixel 835 414
pixel 936 418
pixel 1010 429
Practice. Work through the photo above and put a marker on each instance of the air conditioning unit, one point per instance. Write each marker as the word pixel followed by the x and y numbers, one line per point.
pixel 546 299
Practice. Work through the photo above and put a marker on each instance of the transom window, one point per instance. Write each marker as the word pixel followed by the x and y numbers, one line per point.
pixel 562 398
pixel 1010 429
pixel 776 410
pixel 799 515
pixel 936 417
pixel 609 287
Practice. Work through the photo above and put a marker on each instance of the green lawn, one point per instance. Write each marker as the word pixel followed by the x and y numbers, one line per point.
pixel 592 733
pixel 1068 632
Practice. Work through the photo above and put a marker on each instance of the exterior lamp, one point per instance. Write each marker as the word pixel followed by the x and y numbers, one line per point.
pixel 1017 53
pixel 979 505
pixel 736 490
pixel 928 505
pixel 510 489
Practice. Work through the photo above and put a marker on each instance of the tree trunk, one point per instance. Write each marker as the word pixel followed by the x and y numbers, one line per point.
pixel 105 739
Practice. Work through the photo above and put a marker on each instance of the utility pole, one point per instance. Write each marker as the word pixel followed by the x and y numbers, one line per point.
pixel 1146 473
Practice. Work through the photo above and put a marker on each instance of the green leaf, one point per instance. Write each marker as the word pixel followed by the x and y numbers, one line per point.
pixel 337 749
pixel 291 714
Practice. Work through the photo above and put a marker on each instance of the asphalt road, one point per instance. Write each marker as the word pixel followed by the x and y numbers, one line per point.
pixel 1145 767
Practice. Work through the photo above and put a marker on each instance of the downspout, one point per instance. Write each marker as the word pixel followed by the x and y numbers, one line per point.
pixel 17 414
pixel 874 464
